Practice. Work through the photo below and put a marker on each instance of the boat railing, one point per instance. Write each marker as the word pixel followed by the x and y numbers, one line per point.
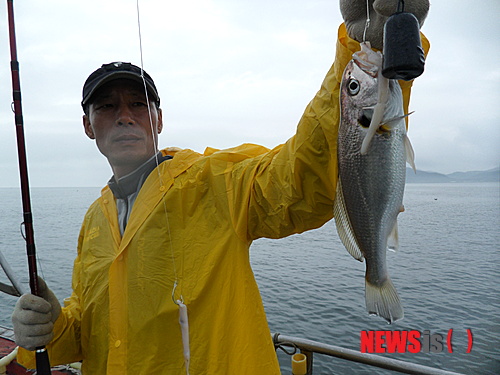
pixel 309 347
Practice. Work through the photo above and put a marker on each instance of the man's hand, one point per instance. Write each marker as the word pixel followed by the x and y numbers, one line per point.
pixel 34 317
pixel 354 14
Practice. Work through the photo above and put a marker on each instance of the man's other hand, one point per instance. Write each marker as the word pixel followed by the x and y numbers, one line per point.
pixel 34 317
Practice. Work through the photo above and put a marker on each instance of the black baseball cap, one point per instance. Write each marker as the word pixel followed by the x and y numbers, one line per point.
pixel 117 70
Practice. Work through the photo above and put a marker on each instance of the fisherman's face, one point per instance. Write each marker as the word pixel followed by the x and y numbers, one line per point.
pixel 118 119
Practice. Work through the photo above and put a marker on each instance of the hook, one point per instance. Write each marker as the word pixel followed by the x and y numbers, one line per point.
pixel 401 6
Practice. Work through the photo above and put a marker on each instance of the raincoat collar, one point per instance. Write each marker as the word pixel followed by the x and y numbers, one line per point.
pixel 150 194
pixel 132 183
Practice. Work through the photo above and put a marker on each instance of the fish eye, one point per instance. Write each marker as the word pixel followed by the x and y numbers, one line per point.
pixel 353 86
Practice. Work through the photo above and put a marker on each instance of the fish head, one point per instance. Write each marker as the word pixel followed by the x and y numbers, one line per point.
pixel 358 95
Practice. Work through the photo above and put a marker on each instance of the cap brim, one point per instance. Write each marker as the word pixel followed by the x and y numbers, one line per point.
pixel 120 75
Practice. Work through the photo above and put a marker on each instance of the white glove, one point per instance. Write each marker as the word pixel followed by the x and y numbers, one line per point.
pixel 34 317
pixel 354 14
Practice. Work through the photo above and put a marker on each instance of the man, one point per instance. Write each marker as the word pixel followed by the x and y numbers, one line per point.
pixel 175 226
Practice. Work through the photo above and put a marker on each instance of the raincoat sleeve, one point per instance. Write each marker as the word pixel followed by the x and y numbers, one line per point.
pixel 65 347
pixel 291 188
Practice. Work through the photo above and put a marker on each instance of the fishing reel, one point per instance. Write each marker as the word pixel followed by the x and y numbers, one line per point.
pixel 403 53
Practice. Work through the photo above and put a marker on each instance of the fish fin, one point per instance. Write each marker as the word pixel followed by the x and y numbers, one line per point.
pixel 344 227
pixel 393 240
pixel 410 154
pixel 383 301
pixel 392 122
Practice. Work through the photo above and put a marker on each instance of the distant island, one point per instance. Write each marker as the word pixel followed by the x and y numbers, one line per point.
pixel 491 175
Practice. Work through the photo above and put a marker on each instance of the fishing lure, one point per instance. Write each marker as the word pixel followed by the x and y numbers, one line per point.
pixel 184 323
pixel 183 313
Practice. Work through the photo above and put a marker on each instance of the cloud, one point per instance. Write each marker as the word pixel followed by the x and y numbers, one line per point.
pixel 233 72
pixel 455 100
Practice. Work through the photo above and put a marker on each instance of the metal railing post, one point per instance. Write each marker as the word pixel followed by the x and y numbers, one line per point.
pixel 309 358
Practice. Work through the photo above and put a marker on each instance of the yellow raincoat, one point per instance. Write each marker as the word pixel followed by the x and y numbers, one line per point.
pixel 121 318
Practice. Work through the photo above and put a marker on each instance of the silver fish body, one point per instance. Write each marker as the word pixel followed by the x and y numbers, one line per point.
pixel 371 184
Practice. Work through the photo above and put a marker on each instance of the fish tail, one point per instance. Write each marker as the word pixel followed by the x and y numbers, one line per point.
pixel 383 300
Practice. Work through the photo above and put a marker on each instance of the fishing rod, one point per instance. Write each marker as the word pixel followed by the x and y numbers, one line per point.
pixel 42 357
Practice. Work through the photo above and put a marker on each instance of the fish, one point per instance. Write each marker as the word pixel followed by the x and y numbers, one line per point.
pixel 372 150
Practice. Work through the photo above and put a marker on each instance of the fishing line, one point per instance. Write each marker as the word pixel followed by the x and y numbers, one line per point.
pixel 183 313
pixel 367 24
pixel 155 145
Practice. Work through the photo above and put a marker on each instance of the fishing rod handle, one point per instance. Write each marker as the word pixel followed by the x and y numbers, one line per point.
pixel 42 361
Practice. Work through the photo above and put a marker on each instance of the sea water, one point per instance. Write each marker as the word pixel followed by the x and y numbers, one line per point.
pixel 446 273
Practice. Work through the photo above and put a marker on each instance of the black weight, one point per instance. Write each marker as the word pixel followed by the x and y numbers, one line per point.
pixel 403 54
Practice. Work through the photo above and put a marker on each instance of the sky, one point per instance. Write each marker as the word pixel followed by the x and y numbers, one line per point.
pixel 232 72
